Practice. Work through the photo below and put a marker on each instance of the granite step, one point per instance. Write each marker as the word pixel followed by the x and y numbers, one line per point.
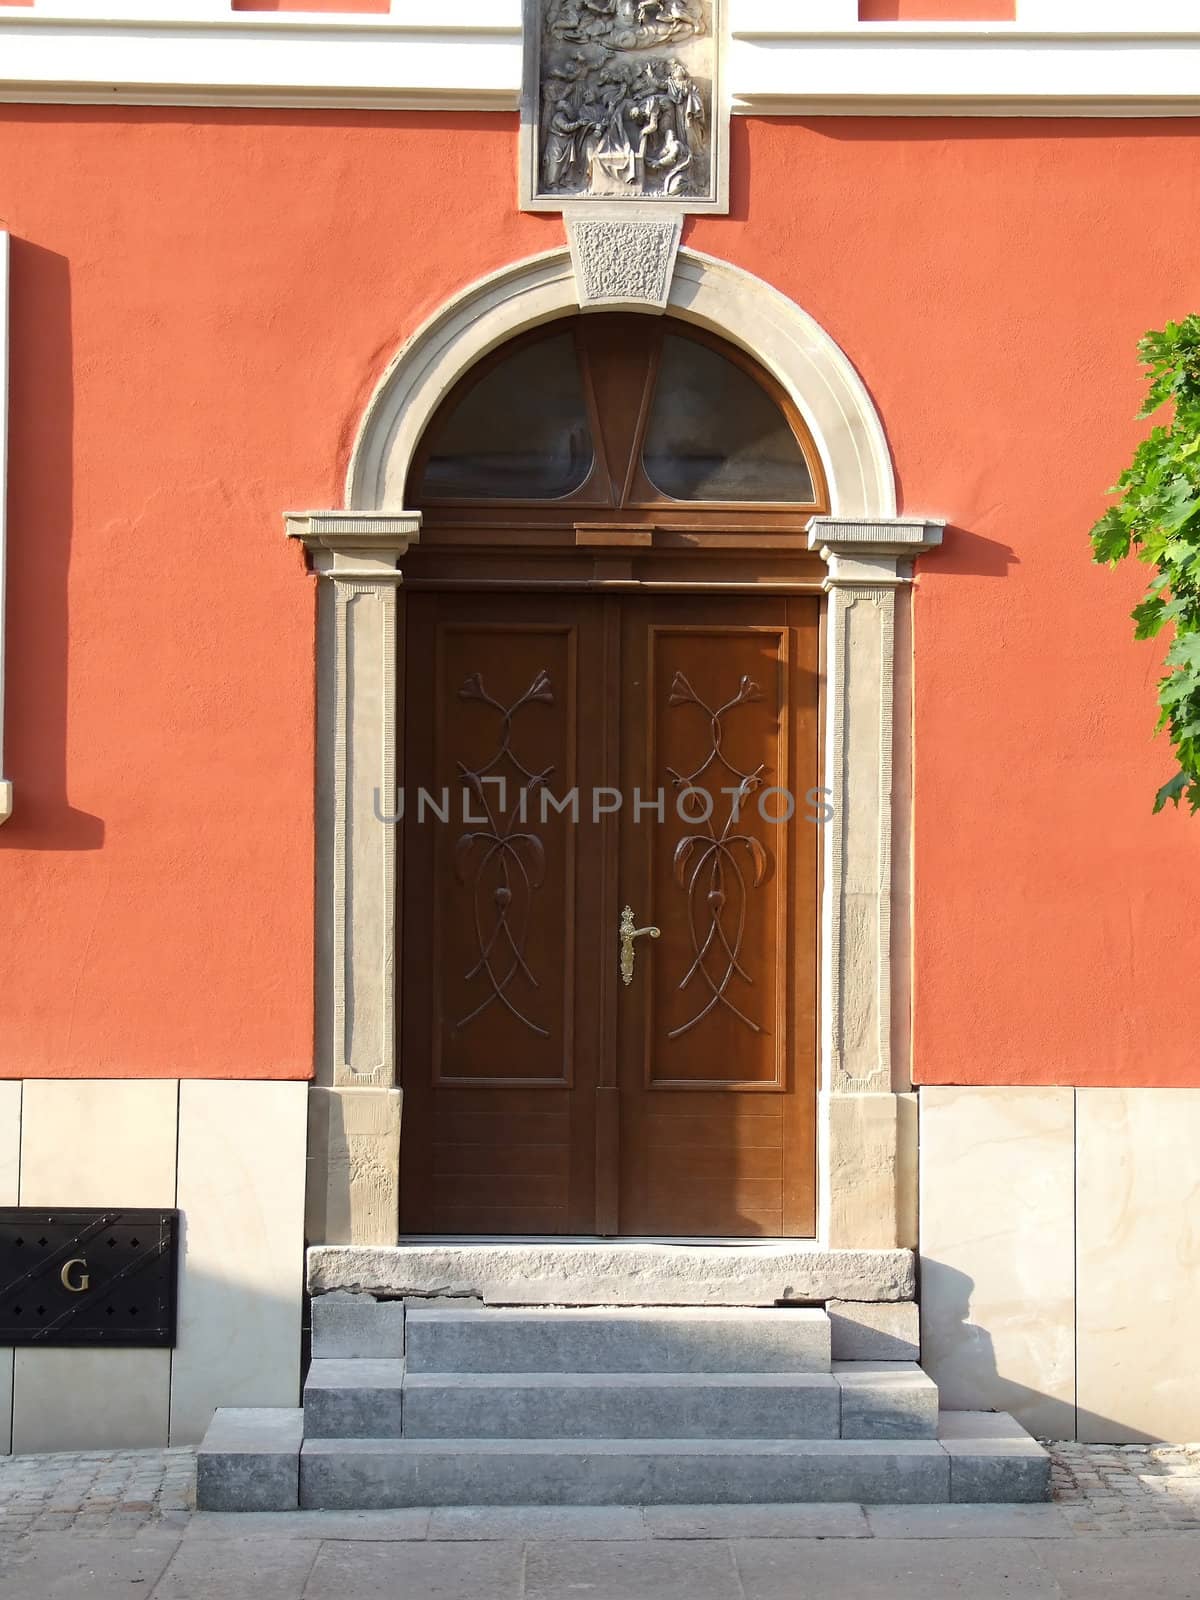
pixel 685 1405
pixel 618 1340
pixel 380 1474
pixel 886 1400
pixel 353 1399
pixel 254 1460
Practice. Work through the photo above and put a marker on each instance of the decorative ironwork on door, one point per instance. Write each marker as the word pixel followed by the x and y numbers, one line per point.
pixel 710 866
pixel 510 866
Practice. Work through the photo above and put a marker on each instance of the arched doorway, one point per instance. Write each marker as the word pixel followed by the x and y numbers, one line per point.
pixel 612 670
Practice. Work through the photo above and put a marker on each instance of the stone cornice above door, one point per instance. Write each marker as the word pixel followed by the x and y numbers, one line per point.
pixel 869 552
pixel 356 544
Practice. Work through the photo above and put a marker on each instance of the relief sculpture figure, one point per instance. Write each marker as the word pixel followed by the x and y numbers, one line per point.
pixel 618 119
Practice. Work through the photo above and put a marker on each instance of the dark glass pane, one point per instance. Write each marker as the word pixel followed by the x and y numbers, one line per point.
pixel 520 433
pixel 714 434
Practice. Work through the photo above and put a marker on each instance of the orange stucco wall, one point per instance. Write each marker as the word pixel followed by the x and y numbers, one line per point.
pixel 937 10
pixel 202 303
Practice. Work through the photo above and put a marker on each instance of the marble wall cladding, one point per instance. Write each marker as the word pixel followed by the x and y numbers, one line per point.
pixel 241 1190
pixel 232 1157
pixel 95 1143
pixel 10 1172
pixel 997 1201
pixel 98 1142
pixel 1138 1264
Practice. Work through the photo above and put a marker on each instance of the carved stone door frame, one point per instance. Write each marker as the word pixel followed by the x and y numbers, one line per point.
pixel 867 1115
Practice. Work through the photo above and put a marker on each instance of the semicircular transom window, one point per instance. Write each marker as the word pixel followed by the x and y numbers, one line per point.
pixel 619 411
pixel 716 434
pixel 520 433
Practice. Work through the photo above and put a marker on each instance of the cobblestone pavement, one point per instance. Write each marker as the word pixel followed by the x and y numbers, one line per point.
pixel 1132 1488
pixel 93 1491
pixel 1105 1490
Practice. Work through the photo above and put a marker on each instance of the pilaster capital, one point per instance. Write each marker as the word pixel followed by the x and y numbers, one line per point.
pixel 356 546
pixel 871 553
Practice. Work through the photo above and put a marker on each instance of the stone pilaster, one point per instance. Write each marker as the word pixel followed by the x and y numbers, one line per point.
pixel 354 1124
pixel 867 1170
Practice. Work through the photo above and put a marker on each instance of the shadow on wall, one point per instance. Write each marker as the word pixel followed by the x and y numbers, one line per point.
pixel 960 1357
pixel 971 555
pixel 40 509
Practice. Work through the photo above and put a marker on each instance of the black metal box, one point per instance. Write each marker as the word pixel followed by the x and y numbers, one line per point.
pixel 70 1277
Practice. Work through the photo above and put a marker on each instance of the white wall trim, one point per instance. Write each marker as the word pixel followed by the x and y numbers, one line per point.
pixel 6 788
pixel 1061 58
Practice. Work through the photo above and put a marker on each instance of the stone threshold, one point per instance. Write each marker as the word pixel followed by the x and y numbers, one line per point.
pixel 618 1272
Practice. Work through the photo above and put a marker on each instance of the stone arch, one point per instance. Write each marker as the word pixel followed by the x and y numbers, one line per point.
pixel 812 368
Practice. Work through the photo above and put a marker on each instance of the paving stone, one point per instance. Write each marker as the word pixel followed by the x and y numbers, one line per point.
pixel 538 1522
pixel 968 1522
pixel 437 1571
pixel 879 1569
pixel 381 1526
pixel 1161 1564
pixel 757 1522
pixel 74 1566
pixel 660 1570
pixel 262 1567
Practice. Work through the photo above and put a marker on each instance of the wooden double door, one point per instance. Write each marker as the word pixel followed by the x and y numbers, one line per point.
pixel 569 756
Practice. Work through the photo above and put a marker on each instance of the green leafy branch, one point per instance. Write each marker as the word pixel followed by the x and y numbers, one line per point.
pixel 1158 519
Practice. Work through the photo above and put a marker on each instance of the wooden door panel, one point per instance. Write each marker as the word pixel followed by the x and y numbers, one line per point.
pixel 716 720
pixel 500 1018
pixel 541 1096
pixel 503 913
pixel 718 1030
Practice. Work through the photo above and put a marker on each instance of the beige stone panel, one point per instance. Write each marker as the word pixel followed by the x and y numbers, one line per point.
pixel 908 1125
pixel 95 1142
pixel 1138 1264
pixel 99 1142
pixel 997 1252
pixel 864 1171
pixel 70 1399
pixel 10 1172
pixel 353 1166
pixel 241 1192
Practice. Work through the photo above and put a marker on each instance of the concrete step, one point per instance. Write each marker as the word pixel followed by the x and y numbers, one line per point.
pixel 353 1399
pixel 886 1400
pixel 377 1474
pixel 567 1405
pixel 618 1340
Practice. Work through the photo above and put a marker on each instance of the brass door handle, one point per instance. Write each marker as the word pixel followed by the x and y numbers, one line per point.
pixel 630 933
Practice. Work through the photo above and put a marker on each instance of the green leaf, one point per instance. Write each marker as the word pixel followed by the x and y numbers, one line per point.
pixel 1156 519
pixel 1171 792
pixel 1185 652
pixel 1148 615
